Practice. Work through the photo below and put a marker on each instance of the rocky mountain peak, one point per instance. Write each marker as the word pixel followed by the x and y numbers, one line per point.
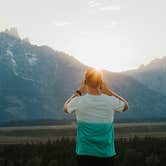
pixel 13 32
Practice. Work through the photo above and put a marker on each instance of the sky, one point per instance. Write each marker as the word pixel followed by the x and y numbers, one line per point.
pixel 116 35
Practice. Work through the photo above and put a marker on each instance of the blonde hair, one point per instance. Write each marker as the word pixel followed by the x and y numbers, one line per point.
pixel 93 77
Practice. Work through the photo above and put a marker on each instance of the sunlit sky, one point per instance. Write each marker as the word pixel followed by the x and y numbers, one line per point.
pixel 113 34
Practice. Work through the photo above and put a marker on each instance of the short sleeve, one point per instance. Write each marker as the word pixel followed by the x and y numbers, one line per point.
pixel 73 105
pixel 118 105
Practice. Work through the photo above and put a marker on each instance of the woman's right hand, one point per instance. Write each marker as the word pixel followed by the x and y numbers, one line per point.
pixel 104 88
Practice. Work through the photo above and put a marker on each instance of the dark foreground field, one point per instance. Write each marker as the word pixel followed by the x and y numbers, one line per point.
pixel 12 135
pixel 137 144
pixel 130 152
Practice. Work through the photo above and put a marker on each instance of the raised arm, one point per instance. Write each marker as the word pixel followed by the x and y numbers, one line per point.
pixel 82 90
pixel 68 100
pixel 106 90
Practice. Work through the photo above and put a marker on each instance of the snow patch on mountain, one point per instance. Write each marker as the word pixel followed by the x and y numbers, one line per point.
pixel 11 56
pixel 11 59
pixel 32 58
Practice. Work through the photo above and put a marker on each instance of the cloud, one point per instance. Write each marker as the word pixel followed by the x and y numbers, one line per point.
pixel 110 8
pixel 61 23
pixel 93 3
pixel 100 6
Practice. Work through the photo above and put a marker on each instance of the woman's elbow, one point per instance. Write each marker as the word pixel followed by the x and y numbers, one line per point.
pixel 126 106
pixel 65 109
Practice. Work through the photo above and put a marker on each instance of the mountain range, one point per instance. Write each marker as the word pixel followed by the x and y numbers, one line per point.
pixel 153 75
pixel 36 80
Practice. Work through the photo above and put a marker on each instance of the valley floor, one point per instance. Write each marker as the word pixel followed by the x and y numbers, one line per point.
pixel 14 135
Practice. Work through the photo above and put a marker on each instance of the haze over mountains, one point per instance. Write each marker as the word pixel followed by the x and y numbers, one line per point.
pixel 152 75
pixel 36 80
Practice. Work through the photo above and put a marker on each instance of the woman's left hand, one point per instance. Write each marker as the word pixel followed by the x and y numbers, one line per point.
pixel 83 87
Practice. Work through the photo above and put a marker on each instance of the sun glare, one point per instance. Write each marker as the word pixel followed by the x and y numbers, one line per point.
pixel 101 51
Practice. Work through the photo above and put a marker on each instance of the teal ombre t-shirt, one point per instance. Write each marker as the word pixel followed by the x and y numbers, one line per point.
pixel 95 131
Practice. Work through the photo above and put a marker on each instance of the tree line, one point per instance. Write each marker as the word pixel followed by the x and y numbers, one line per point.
pixel 61 152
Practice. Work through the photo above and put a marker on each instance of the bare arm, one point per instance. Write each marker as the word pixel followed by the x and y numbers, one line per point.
pixel 68 100
pixel 82 89
pixel 106 90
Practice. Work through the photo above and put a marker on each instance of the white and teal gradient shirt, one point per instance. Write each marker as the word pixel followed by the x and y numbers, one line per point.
pixel 94 115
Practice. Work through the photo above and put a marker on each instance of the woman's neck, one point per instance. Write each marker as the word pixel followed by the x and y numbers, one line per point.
pixel 93 91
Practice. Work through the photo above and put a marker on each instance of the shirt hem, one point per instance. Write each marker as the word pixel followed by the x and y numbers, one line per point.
pixel 95 155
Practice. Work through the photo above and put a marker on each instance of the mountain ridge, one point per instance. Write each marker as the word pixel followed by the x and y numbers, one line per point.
pixel 153 75
pixel 36 80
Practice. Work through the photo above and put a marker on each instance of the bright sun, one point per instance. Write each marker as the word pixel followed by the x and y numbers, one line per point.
pixel 101 51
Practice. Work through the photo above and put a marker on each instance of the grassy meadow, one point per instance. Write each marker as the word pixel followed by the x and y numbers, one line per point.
pixel 14 135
